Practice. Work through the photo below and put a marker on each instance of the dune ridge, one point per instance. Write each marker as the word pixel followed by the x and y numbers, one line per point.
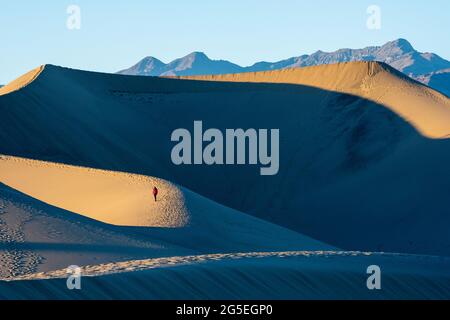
pixel 242 276
pixel 376 81
pixel 22 81
pixel 111 197
pixel 372 80
pixel 106 216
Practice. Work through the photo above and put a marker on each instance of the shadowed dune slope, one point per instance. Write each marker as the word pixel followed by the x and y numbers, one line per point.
pixel 426 109
pixel 241 276
pixel 111 216
pixel 360 165
pixel 36 237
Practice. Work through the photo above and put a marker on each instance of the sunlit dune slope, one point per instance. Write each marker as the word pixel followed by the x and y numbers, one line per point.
pixel 426 109
pixel 111 197
pixel 36 237
pixel 179 216
pixel 22 81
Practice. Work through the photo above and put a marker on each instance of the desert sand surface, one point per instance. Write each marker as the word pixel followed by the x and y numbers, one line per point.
pixel 89 211
pixel 110 197
pixel 349 166
pixel 273 275
pixel 363 168
pixel 35 237
pixel 371 80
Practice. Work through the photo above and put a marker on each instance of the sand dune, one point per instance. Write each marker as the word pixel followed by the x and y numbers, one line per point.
pixel 426 109
pixel 111 197
pixel 363 167
pixel 36 237
pixel 181 222
pixel 22 81
pixel 242 276
pixel 355 148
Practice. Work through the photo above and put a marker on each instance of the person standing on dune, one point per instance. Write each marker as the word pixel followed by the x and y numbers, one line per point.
pixel 155 192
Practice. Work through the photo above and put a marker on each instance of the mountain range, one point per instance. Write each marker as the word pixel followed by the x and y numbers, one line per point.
pixel 428 68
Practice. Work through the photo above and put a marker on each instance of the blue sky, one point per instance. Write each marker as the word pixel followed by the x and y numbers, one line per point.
pixel 116 34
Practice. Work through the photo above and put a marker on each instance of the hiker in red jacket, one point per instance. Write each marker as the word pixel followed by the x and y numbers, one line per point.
pixel 155 192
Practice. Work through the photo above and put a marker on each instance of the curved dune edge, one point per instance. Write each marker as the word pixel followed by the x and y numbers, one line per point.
pixel 36 237
pixel 123 199
pixel 251 275
pixel 155 263
pixel 425 108
pixel 22 81
pixel 111 197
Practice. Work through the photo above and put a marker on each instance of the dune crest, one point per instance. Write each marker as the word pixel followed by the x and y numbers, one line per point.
pixel 423 107
pixel 111 197
pixel 426 109
pixel 22 81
